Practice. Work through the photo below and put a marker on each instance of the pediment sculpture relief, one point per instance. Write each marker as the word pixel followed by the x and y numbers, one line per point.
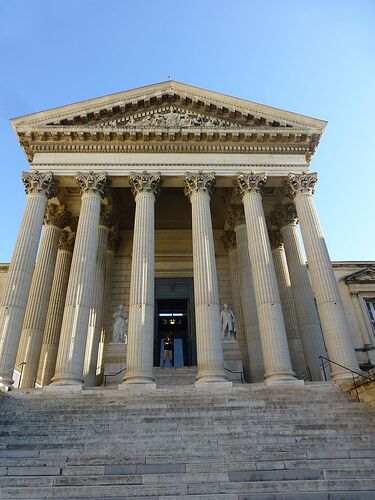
pixel 173 118
pixel 364 276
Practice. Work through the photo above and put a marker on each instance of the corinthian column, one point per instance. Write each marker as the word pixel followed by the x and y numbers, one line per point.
pixel 198 188
pixel 140 348
pixel 71 353
pixel 287 303
pixel 229 242
pixel 271 323
pixel 285 218
pixel 335 327
pixel 236 219
pixel 55 220
pixel 39 187
pixel 96 311
pixel 51 337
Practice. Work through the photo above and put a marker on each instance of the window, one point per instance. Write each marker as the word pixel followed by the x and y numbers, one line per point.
pixel 370 305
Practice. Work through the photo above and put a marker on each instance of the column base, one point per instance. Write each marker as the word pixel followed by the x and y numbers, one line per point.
pixel 285 382
pixel 222 385
pixel 62 388
pixel 137 388
pixel 138 379
pixel 342 376
pixel 66 380
pixel 6 384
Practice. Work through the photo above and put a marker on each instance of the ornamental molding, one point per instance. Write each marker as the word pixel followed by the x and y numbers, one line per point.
pixel 57 215
pixel 276 240
pixel 250 183
pixel 93 183
pixel 144 182
pixel 283 215
pixel 67 240
pixel 236 216
pixel 199 183
pixel 36 182
pixel 229 240
pixel 362 277
pixel 303 183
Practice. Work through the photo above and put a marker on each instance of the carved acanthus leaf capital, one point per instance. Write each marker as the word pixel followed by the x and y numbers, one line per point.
pixel 301 183
pixel 113 240
pixel 107 216
pixel 250 183
pixel 276 239
pixel 66 241
pixel 199 183
pixel 283 215
pixel 36 182
pixel 145 183
pixel 229 240
pixel 57 215
pixel 236 216
pixel 93 183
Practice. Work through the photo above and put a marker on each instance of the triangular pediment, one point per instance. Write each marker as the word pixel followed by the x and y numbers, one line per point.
pixel 364 276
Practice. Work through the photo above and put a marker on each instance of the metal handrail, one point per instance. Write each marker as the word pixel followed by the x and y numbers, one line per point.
pixel 232 371
pixel 112 375
pixel 306 375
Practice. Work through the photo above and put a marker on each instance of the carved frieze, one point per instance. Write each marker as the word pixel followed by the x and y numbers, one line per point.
pixel 236 216
pixel 199 183
pixel 145 183
pixel 93 182
pixel 229 240
pixel 303 183
pixel 250 183
pixel 36 182
pixel 57 215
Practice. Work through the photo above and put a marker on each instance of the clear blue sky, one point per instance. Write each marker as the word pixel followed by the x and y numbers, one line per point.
pixel 314 57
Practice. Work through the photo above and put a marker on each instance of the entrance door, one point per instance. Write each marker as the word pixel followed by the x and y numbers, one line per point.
pixel 174 315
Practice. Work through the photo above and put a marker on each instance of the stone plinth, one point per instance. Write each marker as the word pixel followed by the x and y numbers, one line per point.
pixel 114 361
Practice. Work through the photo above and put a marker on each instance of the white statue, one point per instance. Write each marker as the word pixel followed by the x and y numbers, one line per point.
pixel 119 326
pixel 228 324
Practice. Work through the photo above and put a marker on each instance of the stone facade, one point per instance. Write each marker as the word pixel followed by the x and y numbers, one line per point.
pixel 153 179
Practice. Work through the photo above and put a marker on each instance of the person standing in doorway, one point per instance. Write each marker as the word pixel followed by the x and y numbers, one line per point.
pixel 168 350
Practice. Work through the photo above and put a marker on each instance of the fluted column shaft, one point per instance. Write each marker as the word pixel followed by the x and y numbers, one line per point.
pixel 39 187
pixel 206 294
pixel 36 310
pixel 96 311
pixel 271 323
pixel 248 301
pixel 51 337
pixel 334 323
pixel 142 282
pixel 71 352
pixel 307 316
pixel 289 312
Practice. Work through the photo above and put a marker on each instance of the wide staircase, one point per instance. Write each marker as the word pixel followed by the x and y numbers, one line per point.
pixel 248 442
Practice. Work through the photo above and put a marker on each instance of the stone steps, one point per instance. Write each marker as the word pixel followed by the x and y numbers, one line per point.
pixel 250 441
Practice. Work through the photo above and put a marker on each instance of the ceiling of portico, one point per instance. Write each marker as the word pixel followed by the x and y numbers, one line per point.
pixel 168 117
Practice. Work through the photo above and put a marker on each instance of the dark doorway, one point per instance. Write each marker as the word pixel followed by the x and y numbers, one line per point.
pixel 174 315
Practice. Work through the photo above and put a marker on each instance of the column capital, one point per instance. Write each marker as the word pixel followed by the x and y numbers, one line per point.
pixel 199 183
pixel 93 183
pixel 113 240
pixel 229 240
pixel 66 241
pixel 144 183
pixel 301 183
pixel 107 216
pixel 36 182
pixel 250 183
pixel 57 215
pixel 276 239
pixel 236 216
pixel 283 215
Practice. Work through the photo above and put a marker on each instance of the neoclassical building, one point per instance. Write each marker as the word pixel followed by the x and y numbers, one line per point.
pixel 172 201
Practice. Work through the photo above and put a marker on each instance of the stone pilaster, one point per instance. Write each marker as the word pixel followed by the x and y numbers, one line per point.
pixel 56 218
pixel 198 188
pixel 96 311
pixel 236 219
pixel 51 337
pixel 145 187
pixel 229 242
pixel 285 218
pixel 39 187
pixel 271 323
pixel 71 353
pixel 287 304
pixel 334 323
